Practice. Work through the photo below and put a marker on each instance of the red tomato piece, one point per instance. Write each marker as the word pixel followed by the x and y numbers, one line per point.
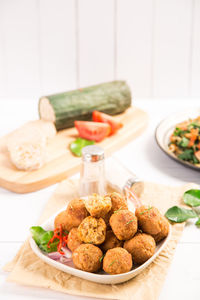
pixel 98 116
pixel 92 130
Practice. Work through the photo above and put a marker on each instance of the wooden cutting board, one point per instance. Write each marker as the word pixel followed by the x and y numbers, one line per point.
pixel 60 161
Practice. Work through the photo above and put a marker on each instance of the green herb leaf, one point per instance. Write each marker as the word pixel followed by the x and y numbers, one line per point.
pixel 129 222
pixel 195 125
pixel 42 237
pixel 186 155
pixel 146 210
pixel 53 247
pixel 178 214
pixel 198 222
pixel 192 198
pixel 195 160
pixel 101 258
pixel 112 262
pixel 177 131
pixel 184 142
pixel 116 211
pixel 77 146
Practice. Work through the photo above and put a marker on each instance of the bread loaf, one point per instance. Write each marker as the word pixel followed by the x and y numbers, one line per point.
pixel 27 145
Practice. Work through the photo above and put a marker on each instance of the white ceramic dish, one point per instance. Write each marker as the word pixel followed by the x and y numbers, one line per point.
pixel 166 127
pixel 100 277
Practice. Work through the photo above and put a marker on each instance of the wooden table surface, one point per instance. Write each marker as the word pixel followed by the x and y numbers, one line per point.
pixel 144 158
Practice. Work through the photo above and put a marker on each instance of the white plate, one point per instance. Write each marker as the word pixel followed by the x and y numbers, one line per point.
pixel 166 127
pixel 95 277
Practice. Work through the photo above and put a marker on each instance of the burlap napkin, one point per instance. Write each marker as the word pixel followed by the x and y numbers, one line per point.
pixel 26 268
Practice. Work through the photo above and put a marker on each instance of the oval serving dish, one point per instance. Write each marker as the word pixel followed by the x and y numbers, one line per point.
pixel 100 277
pixel 166 128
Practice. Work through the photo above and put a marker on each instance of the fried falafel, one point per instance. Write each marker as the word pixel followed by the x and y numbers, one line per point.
pixel 87 257
pixel 118 202
pixel 117 261
pixel 142 246
pixel 92 230
pixel 124 224
pixel 97 205
pixel 73 240
pixel 151 221
pixel 72 216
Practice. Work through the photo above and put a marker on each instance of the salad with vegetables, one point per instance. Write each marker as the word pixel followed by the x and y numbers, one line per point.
pixel 185 141
pixel 53 243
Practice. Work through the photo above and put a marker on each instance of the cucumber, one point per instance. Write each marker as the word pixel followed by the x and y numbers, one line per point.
pixel 64 108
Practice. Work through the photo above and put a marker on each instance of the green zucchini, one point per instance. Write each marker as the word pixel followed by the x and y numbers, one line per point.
pixel 64 108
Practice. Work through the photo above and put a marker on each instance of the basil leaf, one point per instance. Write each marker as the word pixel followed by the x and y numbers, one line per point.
pixel 178 214
pixel 198 222
pixel 192 198
pixel 42 237
pixel 77 146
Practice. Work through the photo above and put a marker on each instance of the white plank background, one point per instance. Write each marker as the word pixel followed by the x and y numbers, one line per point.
pixel 57 45
pixel 172 46
pixel 195 76
pixel 48 46
pixel 20 47
pixel 134 44
pixel 96 41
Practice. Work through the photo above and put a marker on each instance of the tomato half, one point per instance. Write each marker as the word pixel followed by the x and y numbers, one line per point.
pixel 92 130
pixel 98 116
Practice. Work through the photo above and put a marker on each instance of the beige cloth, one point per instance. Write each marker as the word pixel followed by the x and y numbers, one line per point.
pixel 26 268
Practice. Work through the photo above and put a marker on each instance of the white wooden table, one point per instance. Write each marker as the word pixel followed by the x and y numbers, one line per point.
pixel 144 158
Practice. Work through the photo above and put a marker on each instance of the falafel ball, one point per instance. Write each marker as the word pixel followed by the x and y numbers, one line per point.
pixel 149 219
pixel 164 230
pixel 142 246
pixel 63 220
pixel 76 208
pixel 97 205
pixel 72 216
pixel 124 224
pixel 92 230
pixel 87 257
pixel 111 241
pixel 117 261
pixel 73 240
pixel 118 202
